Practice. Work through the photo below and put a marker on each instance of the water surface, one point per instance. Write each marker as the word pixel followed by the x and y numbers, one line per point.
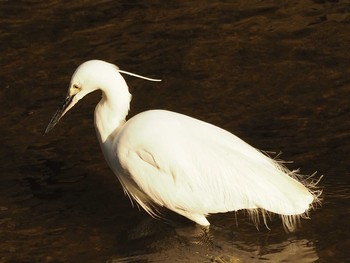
pixel 275 73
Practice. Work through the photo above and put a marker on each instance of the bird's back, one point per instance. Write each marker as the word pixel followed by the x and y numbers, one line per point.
pixel 189 165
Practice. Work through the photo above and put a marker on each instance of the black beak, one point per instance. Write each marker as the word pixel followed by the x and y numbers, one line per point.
pixel 59 113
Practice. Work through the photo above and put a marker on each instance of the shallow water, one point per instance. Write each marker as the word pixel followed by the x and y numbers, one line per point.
pixel 276 73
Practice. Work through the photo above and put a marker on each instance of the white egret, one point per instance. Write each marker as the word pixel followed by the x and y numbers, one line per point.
pixel 166 159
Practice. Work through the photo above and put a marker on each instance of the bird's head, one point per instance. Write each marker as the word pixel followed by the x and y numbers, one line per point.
pixel 88 77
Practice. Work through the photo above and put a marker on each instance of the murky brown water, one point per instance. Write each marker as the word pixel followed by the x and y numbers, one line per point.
pixel 276 73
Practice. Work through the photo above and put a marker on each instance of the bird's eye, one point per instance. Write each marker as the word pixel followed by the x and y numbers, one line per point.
pixel 76 87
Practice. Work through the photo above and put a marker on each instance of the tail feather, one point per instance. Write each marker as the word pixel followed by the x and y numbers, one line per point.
pixel 294 206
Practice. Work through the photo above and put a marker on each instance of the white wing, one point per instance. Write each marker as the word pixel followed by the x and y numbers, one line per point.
pixel 195 168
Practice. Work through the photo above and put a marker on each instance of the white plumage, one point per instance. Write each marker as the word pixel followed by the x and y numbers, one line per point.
pixel 191 167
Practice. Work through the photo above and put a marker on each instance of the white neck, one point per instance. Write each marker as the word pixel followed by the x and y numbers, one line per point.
pixel 111 111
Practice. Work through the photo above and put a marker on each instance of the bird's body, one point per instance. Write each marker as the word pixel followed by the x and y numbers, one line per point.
pixel 191 167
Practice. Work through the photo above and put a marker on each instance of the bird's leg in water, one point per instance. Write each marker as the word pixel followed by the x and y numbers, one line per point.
pixel 197 234
pixel 205 238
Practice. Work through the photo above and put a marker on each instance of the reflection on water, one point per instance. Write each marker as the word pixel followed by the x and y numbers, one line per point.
pixel 223 246
pixel 276 74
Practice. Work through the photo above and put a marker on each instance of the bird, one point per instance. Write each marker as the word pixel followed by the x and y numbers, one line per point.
pixel 165 159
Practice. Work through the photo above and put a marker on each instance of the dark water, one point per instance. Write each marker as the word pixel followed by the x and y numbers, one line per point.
pixel 276 73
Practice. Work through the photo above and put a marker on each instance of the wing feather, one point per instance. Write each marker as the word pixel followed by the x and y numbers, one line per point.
pixel 190 166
